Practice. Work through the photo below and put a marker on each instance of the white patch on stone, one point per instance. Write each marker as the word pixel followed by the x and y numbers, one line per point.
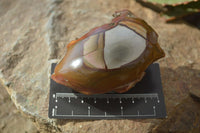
pixel 76 63
pixel 122 46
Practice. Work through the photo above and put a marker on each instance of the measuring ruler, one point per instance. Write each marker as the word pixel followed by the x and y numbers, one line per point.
pixel 145 100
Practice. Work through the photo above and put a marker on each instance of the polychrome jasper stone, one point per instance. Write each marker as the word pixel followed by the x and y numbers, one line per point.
pixel 112 57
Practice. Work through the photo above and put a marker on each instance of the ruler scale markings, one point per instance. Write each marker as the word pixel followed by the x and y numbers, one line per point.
pixel 110 105
pixel 154 110
pixel 145 100
pixel 120 100
pixel 107 100
pixel 95 100
pixel 88 110
pixel 53 112
pixel 56 98
pixel 105 115
pixel 107 95
pixel 122 110
pixel 150 115
pixel 158 101
pixel 138 113
pixel 133 100
pixel 82 101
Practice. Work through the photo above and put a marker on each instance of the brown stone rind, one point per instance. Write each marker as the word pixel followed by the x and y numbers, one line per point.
pixel 89 80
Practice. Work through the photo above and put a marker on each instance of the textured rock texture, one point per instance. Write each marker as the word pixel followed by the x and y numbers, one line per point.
pixel 11 119
pixel 34 34
pixel 184 118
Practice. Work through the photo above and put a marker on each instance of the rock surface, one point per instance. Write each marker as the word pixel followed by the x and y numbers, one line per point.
pixel 12 121
pixel 34 34
pixel 184 118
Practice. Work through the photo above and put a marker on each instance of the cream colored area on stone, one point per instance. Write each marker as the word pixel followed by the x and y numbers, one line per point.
pixel 91 44
pixel 136 27
pixel 95 59
pixel 122 46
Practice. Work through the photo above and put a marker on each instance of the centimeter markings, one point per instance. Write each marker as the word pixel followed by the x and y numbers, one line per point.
pixel 54 113
pixel 119 96
pixel 72 95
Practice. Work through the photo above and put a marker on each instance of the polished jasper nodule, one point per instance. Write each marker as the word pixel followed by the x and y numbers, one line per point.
pixel 112 57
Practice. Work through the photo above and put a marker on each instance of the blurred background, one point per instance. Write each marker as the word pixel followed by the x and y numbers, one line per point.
pixel 34 34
